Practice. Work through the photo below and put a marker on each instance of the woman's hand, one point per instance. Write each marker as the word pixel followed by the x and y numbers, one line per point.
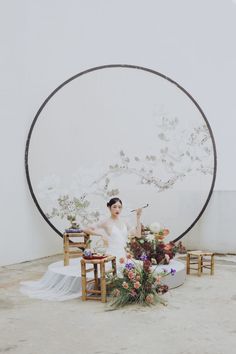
pixel 138 213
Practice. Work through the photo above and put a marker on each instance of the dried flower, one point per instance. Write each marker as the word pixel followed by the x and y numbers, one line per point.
pixel 149 298
pixel 125 285
pixel 122 260
pixel 143 257
pixel 166 232
pixel 168 247
pixel 129 265
pixel 150 238
pixel 147 265
pixel 167 257
pixel 131 275
pixel 133 293
pixel 155 227
pixel 163 289
pixel 116 292
pixel 137 285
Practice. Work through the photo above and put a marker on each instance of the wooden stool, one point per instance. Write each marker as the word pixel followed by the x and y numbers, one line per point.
pixel 99 288
pixel 69 245
pixel 198 255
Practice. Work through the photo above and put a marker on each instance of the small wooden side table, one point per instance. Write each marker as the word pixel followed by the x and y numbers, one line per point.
pixel 74 249
pixel 100 287
pixel 201 261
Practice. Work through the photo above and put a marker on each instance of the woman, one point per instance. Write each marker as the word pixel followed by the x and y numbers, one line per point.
pixel 114 231
pixel 58 283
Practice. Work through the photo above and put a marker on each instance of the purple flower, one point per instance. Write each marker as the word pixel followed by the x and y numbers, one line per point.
pixel 172 271
pixel 129 265
pixel 143 257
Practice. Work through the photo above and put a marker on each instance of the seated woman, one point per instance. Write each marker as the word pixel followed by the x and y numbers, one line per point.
pixel 114 231
pixel 65 282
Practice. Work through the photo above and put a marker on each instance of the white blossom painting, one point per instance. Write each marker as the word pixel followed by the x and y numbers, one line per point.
pixel 121 131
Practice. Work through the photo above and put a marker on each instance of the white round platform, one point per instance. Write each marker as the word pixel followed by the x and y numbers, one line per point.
pixel 61 282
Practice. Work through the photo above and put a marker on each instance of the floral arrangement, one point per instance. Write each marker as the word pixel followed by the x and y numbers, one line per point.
pixel 138 283
pixel 151 245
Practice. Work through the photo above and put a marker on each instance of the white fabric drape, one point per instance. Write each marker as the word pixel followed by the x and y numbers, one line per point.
pixel 61 283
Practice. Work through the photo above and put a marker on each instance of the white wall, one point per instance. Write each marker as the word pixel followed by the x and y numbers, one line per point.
pixel 215 230
pixel 45 42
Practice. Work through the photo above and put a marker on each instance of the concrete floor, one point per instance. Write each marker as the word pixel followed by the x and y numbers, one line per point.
pixel 200 318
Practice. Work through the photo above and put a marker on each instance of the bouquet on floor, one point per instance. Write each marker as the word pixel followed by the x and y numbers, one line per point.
pixel 138 283
pixel 152 245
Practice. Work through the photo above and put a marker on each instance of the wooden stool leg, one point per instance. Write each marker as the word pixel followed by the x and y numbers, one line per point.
pixel 212 264
pixel 114 266
pixel 199 265
pixel 188 264
pixel 66 250
pixel 96 275
pixel 103 282
pixel 83 274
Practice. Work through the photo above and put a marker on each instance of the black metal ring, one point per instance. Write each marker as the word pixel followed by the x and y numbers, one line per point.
pixel 107 67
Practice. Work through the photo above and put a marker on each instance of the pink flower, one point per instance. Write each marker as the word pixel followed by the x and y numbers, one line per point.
pixel 149 298
pixel 137 285
pixel 131 275
pixel 122 260
pixel 128 256
pixel 125 285
pixel 133 292
pixel 158 279
pixel 116 292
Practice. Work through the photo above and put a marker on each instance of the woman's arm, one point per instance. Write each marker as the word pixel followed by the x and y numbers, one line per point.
pixel 92 231
pixel 138 225
pixel 97 230
pixel 136 231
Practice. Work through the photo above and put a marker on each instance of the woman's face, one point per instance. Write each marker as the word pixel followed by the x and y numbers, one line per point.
pixel 115 209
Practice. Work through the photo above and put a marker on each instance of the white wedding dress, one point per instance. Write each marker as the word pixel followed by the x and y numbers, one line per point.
pixel 61 282
pixel 117 241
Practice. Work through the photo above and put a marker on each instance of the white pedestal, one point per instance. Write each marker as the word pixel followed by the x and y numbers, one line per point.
pixel 64 282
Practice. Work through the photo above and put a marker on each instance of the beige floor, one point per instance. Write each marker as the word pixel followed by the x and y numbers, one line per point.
pixel 200 318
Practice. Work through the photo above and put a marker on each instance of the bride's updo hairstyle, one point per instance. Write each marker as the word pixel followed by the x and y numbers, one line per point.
pixel 113 201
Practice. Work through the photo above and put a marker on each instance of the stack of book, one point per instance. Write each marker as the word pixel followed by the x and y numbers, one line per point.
pixel 73 231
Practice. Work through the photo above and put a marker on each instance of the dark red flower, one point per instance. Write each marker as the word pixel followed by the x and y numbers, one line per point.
pixel 147 265
pixel 163 289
